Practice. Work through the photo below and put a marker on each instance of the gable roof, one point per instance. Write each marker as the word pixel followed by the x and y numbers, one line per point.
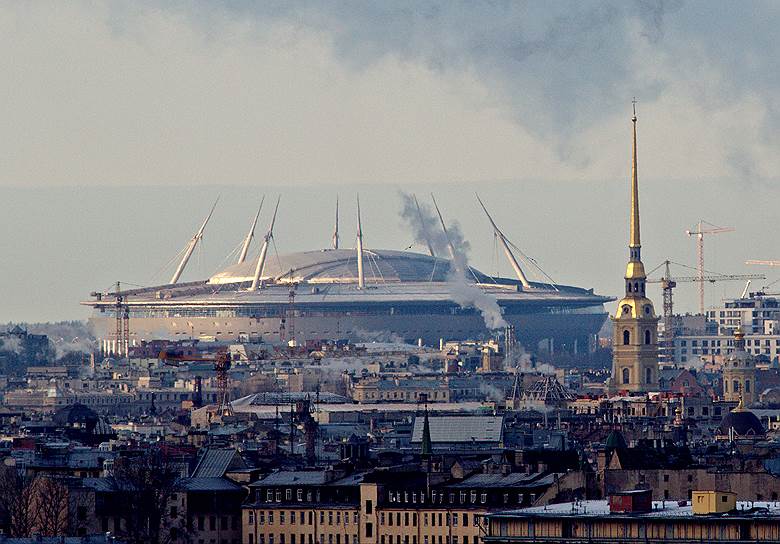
pixel 448 429
pixel 216 461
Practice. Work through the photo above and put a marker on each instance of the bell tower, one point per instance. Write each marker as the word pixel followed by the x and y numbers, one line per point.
pixel 635 336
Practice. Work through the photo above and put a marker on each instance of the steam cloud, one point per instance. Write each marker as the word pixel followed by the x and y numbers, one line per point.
pixel 426 228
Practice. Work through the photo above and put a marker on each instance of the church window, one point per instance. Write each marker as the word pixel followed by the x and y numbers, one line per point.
pixel 648 376
pixel 647 309
pixel 629 287
pixel 735 387
pixel 626 338
pixel 647 337
pixel 625 375
pixel 747 386
pixel 636 287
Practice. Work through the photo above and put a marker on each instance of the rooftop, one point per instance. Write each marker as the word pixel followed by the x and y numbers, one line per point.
pixel 448 429
pixel 661 509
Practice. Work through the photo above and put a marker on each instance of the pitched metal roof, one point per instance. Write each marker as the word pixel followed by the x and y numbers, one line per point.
pixel 214 463
pixel 461 429
pixel 294 477
pixel 207 484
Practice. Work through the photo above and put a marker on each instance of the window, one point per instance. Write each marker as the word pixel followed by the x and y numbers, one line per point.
pixel 251 516
pixel 288 494
pixel 647 337
pixel 299 495
pixel 369 509
pixel 648 376
pixel 747 386
pixel 626 338
pixel 625 376
pixel 369 526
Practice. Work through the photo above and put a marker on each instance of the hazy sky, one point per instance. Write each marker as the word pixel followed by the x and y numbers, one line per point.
pixel 527 102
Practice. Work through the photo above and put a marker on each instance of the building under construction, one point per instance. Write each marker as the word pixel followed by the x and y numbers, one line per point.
pixel 357 294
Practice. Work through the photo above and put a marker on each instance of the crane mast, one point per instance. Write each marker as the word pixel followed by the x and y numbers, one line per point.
pixel 702 228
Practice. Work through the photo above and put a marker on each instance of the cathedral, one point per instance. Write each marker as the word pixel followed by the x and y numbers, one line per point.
pixel 635 325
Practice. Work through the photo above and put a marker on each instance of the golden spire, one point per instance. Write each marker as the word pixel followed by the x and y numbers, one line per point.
pixel 634 242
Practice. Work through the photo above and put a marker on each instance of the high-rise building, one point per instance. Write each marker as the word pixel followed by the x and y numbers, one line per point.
pixel 635 336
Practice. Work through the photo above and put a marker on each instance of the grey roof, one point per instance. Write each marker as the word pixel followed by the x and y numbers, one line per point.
pixel 461 429
pixel 502 480
pixel 185 484
pixel 275 399
pixel 207 484
pixel 410 383
pixel 214 463
pixel 294 477
pixel 91 539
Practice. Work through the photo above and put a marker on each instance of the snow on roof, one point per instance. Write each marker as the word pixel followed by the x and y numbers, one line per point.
pixel 661 509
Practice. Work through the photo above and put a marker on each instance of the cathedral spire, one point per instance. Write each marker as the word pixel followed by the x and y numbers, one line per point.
pixel 635 239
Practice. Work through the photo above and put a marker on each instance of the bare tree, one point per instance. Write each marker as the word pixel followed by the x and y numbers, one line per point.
pixel 147 484
pixel 17 501
pixel 51 506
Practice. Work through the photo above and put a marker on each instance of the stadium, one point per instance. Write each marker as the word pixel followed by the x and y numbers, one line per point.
pixel 354 294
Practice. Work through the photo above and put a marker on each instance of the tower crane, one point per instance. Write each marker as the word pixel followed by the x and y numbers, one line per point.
pixel 222 362
pixel 702 228
pixel 668 283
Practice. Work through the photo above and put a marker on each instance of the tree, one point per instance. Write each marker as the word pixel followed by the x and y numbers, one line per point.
pixel 51 506
pixel 146 484
pixel 17 501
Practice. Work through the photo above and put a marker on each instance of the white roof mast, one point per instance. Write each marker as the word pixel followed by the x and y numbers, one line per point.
pixel 264 250
pixel 361 277
pixel 509 255
pixel 191 246
pixel 336 229
pixel 250 235
pixel 425 232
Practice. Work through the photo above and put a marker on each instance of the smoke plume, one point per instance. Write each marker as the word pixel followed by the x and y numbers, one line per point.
pixel 426 229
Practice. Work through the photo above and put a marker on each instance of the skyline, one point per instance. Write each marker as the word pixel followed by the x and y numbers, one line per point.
pixel 100 241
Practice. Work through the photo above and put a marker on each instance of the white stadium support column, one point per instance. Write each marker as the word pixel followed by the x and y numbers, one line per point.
pixel 264 250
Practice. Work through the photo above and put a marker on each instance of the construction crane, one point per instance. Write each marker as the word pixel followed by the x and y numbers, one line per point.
pixel 668 283
pixel 222 362
pixel 702 228
pixel 122 333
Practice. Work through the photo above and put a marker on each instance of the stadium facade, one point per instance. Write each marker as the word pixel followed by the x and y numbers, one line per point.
pixel 405 295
